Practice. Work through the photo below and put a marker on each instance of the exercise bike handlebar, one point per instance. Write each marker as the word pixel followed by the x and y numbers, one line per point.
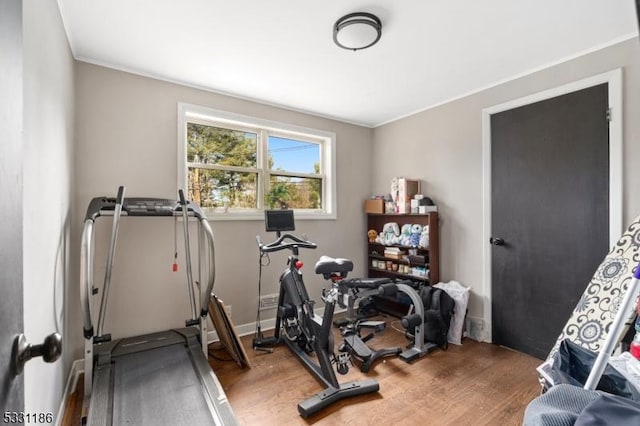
pixel 280 244
pixel 183 200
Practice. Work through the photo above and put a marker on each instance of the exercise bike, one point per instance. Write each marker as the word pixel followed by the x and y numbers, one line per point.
pixel 299 327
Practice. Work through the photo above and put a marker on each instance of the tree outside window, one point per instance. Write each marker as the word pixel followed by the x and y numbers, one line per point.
pixel 225 169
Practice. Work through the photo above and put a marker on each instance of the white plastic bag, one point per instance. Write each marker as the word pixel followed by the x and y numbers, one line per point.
pixel 460 294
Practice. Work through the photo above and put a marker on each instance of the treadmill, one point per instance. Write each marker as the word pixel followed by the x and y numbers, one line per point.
pixel 161 378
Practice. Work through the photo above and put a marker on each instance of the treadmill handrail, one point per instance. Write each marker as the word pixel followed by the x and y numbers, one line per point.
pixel 187 255
pixel 205 291
pixel 86 277
pixel 110 256
pixel 100 206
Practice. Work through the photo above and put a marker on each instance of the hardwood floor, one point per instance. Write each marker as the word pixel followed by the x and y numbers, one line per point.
pixel 472 384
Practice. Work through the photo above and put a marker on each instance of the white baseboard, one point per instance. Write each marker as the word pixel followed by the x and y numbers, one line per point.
pixel 267 324
pixel 77 368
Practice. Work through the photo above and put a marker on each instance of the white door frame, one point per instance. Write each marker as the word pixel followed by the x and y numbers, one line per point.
pixel 614 80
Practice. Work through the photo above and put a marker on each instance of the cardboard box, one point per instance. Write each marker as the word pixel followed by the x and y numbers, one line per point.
pixel 374 206
pixel 407 188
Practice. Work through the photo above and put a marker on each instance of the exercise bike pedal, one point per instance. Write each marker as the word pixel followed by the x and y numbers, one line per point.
pixel 357 346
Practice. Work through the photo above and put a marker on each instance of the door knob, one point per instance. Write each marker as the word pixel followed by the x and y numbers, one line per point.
pixel 23 351
pixel 496 241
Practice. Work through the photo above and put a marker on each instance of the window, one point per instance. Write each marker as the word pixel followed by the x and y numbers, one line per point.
pixel 235 166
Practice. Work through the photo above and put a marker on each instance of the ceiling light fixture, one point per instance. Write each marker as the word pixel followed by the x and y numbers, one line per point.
pixel 357 31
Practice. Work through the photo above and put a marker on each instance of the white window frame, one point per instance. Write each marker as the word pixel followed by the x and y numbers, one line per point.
pixel 264 129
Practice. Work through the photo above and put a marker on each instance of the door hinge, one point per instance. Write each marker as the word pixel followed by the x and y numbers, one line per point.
pixel 608 114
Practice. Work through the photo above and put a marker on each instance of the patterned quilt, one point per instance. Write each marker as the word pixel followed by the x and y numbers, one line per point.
pixel 590 323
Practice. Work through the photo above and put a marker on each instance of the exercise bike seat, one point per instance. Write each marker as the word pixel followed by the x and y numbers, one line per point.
pixel 328 266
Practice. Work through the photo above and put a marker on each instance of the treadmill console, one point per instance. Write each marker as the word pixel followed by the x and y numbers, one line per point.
pixel 137 206
pixel 149 207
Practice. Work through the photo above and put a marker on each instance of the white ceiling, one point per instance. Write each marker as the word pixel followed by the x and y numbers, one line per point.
pixel 281 52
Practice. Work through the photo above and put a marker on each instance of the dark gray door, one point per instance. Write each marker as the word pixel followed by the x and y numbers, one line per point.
pixel 11 389
pixel 550 208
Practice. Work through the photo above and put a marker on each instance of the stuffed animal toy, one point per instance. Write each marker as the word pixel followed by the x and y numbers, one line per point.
pixel 372 234
pixel 416 231
pixel 380 238
pixel 405 235
pixel 424 237
pixel 391 233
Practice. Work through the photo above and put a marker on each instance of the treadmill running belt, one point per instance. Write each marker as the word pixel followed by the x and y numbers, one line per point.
pixel 158 387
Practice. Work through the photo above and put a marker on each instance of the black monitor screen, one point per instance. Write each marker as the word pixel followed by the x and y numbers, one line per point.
pixel 279 220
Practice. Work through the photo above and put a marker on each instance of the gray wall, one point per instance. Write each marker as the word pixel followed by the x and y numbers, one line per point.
pixel 48 190
pixel 126 133
pixel 443 147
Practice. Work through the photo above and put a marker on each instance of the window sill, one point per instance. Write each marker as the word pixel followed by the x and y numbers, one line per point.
pixel 216 215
